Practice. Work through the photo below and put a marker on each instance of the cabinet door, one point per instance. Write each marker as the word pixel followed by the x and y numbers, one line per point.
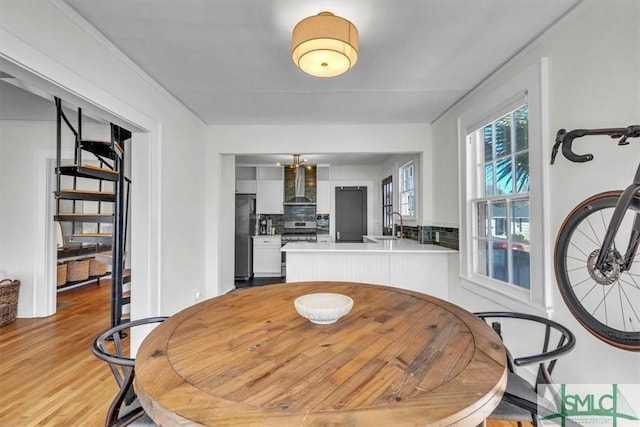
pixel 246 179
pixel 266 261
pixel 269 197
pixel 245 187
pixel 270 173
pixel 323 197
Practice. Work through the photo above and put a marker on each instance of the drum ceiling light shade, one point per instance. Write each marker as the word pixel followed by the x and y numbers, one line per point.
pixel 325 45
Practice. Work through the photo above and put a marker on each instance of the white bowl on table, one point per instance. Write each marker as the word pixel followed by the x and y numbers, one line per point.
pixel 323 308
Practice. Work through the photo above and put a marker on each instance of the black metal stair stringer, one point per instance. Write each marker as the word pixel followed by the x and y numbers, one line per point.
pixel 110 156
pixel 117 300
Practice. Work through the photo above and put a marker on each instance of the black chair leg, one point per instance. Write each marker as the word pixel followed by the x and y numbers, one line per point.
pixel 113 415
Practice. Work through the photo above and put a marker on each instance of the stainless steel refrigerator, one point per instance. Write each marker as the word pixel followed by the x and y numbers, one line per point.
pixel 245 229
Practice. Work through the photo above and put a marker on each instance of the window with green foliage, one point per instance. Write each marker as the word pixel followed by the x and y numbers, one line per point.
pixel 501 205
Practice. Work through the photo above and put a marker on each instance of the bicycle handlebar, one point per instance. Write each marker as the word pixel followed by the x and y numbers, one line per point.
pixel 565 139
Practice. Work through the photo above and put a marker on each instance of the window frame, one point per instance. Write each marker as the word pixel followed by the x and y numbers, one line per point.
pixel 401 189
pixel 387 204
pixel 531 85
pixel 487 195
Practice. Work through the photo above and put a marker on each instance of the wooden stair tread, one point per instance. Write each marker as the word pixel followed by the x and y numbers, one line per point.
pixel 89 171
pixel 80 214
pixel 98 141
pixel 92 235
pixel 85 217
pixel 71 190
pixel 98 168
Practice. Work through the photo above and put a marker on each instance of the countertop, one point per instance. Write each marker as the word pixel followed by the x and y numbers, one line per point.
pixel 386 246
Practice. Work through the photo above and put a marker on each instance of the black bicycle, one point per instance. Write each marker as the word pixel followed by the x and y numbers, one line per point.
pixel 595 253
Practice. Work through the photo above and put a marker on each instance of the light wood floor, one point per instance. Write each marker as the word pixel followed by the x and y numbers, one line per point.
pixel 48 375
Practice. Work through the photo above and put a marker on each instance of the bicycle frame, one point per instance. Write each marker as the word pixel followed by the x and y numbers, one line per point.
pixel 565 139
pixel 618 214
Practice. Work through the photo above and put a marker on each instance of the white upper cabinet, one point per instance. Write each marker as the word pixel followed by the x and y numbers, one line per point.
pixel 323 188
pixel 270 190
pixel 246 179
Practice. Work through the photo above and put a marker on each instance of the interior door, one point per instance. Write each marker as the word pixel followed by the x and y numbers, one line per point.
pixel 351 214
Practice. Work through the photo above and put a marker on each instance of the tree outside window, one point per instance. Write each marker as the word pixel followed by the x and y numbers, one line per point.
pixel 501 249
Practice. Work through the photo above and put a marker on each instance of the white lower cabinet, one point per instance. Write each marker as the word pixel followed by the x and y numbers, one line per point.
pixel 267 256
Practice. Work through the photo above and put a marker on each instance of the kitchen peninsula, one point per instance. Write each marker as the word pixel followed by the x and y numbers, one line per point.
pixel 402 263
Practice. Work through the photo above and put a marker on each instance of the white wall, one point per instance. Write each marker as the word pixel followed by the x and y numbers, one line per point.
pixel 46 44
pixel 19 143
pixel 594 81
pixel 24 148
pixel 424 184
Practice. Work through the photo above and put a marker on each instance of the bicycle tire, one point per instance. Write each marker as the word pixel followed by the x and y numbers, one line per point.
pixel 612 312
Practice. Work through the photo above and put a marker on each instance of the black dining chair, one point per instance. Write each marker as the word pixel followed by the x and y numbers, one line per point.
pixel 520 401
pixel 112 346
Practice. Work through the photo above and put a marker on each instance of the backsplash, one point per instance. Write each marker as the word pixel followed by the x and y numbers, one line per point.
pixel 322 223
pixel 299 213
pixel 292 213
pixel 449 236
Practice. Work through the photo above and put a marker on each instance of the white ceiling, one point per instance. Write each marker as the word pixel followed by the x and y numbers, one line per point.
pixel 229 61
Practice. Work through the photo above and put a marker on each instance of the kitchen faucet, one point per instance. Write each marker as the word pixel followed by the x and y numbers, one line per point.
pixel 401 224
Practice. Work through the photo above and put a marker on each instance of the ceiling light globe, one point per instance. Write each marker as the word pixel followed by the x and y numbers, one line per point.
pixel 325 45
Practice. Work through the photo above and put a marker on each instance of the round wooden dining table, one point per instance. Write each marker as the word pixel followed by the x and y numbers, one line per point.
pixel 398 358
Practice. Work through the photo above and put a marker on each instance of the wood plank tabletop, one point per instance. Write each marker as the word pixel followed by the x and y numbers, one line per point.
pixel 247 358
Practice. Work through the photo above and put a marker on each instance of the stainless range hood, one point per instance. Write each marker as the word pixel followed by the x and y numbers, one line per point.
pixel 299 198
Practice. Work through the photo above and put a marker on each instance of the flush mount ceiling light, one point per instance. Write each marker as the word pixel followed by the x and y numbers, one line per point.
pixel 325 45
pixel 297 161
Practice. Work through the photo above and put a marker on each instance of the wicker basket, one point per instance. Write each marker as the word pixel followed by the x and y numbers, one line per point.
pixel 61 274
pixel 97 268
pixel 77 270
pixel 8 300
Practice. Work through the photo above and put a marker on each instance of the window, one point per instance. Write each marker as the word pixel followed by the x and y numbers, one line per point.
pixel 407 190
pixel 501 205
pixel 502 238
pixel 387 204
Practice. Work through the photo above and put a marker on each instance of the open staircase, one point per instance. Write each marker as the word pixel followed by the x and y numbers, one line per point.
pixel 98 193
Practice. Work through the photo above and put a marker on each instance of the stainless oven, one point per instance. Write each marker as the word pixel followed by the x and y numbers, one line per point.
pixel 297 231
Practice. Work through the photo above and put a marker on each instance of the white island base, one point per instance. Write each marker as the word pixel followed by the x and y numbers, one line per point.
pixel 403 264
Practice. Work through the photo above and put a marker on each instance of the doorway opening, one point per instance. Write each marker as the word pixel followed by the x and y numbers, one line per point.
pixel 34 258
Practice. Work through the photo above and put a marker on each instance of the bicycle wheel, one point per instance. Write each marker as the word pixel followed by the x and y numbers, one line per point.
pixel 607 303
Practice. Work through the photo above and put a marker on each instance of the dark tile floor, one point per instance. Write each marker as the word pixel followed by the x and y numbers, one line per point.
pixel 258 281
